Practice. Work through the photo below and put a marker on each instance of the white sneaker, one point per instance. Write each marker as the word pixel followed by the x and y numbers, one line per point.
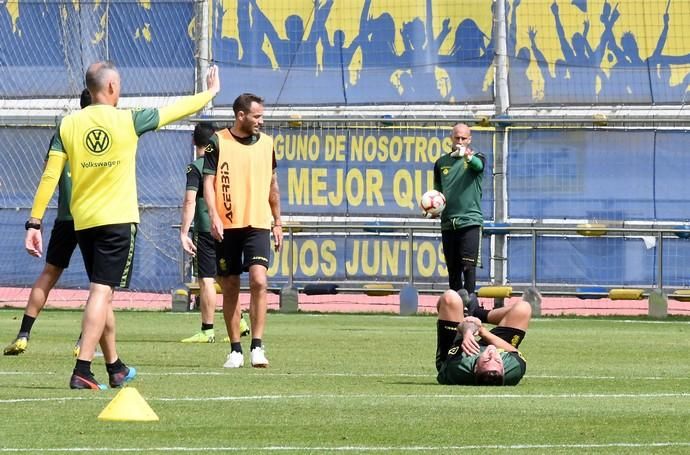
pixel 259 359
pixel 235 360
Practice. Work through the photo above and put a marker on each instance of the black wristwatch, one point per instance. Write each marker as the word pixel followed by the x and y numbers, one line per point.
pixel 29 225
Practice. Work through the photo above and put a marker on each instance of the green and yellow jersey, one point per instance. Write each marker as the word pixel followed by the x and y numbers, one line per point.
pixel 461 184
pixel 458 369
pixel 99 143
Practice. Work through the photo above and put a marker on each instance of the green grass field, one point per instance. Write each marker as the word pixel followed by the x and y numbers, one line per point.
pixel 352 384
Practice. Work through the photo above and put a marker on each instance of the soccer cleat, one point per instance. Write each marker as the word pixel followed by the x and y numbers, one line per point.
pixel 235 360
pixel 88 382
pixel 471 303
pixel 532 296
pixel 122 377
pixel 258 357
pixel 244 327
pixel 77 348
pixel 465 297
pixel 17 346
pixel 205 336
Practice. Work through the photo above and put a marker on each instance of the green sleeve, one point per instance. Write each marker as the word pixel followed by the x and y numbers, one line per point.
pixel 145 120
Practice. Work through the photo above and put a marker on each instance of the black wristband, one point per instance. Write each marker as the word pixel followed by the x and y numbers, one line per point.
pixel 29 225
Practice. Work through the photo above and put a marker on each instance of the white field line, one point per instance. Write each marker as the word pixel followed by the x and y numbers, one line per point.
pixel 327 396
pixel 430 375
pixel 312 449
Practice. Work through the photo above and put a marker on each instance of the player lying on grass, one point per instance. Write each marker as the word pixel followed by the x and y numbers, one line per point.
pixel 467 353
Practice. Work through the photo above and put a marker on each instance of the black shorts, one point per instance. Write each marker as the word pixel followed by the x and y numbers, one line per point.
pixel 204 262
pixel 462 246
pixel 510 335
pixel 242 248
pixel 108 253
pixel 62 243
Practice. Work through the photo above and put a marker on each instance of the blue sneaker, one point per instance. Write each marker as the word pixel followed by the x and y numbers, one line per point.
pixel 122 377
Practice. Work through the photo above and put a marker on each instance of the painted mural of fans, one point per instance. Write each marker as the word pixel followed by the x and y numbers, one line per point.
pixel 226 50
pixel 333 70
pixel 554 85
pixel 469 61
pixel 663 89
pixel 294 51
pixel 379 58
pixel 520 83
pixel 582 60
pixel 336 55
pixel 628 78
pixel 420 56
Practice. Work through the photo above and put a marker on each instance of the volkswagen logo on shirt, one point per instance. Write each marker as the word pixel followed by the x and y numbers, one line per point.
pixel 97 141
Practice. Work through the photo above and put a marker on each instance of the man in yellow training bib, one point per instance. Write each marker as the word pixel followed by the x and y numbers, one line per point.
pixel 100 145
pixel 243 198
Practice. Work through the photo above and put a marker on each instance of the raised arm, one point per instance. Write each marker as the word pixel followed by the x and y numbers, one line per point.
pixel 364 20
pixel 541 60
pixel 434 44
pixel 268 28
pixel 512 30
pixel 190 104
pixel 610 40
pixel 568 53
pixel 662 39
pixel 318 28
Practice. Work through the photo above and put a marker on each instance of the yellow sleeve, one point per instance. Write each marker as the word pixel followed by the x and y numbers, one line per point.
pixel 183 107
pixel 49 180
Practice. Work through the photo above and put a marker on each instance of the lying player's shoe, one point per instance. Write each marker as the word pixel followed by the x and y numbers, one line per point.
pixel 205 336
pixel 532 296
pixel 244 327
pixel 235 360
pixel 471 303
pixel 258 357
pixel 17 346
pixel 81 381
pixel 465 297
pixel 122 377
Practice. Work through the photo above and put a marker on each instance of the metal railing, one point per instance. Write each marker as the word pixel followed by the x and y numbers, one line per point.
pixel 293 230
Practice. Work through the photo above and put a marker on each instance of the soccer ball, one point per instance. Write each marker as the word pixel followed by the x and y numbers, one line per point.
pixel 432 203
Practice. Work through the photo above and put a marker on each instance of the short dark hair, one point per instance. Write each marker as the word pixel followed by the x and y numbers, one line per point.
pixel 85 98
pixel 243 103
pixel 491 377
pixel 202 133
pixel 96 74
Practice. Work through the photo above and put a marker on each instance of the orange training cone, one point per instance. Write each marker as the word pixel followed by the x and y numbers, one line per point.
pixel 128 406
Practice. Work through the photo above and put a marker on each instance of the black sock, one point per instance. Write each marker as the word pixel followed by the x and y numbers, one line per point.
pixel 205 326
pixel 114 367
pixel 27 324
pixel 236 347
pixel 446 331
pixel 481 313
pixel 256 343
pixel 83 367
